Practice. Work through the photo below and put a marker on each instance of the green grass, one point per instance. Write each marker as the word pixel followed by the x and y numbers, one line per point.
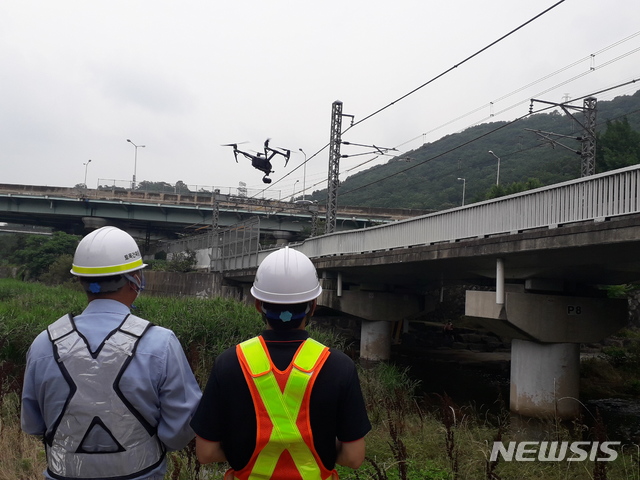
pixel 408 440
pixel 205 327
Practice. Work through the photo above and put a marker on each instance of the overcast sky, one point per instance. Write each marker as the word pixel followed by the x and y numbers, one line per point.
pixel 79 78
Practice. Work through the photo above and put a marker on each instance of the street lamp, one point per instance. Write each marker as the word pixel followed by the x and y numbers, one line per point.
pixel 86 165
pixel 498 175
pixel 135 163
pixel 464 187
pixel 293 196
pixel 304 174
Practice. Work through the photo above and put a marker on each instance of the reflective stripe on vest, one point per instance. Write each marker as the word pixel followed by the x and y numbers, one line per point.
pixel 96 409
pixel 282 411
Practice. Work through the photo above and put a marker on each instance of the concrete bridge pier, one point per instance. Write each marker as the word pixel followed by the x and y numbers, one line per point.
pixel 545 379
pixel 375 341
pixel 282 237
pixel 376 307
pixel 93 223
pixel 545 352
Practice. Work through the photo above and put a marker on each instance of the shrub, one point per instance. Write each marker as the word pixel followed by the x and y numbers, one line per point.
pixel 40 252
pixel 182 262
pixel 58 272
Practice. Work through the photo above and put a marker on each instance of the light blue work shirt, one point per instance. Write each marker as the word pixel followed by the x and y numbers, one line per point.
pixel 158 382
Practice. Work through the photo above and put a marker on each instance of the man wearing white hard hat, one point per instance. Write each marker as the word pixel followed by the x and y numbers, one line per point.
pixel 281 405
pixel 109 392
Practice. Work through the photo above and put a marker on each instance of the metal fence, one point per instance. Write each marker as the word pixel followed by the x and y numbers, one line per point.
pixel 200 244
pixel 195 242
pixel 231 248
pixel 236 247
pixel 113 185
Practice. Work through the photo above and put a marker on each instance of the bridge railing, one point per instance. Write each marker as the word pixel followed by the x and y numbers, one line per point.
pixel 592 198
pixel 180 188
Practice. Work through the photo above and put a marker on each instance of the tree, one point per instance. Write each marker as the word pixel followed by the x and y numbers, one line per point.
pixel 11 242
pixel 163 187
pixel 59 272
pixel 501 190
pixel 41 251
pixel 182 262
pixel 159 187
pixel 618 146
pixel 182 188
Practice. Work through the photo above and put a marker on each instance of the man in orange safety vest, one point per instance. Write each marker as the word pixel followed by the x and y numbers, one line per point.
pixel 282 405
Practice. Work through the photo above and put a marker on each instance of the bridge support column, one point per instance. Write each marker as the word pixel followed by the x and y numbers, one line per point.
pixel 545 351
pixel 93 223
pixel 375 341
pixel 378 309
pixel 545 380
pixel 282 237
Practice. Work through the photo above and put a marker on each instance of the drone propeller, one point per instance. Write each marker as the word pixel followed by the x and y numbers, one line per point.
pixel 281 148
pixel 235 148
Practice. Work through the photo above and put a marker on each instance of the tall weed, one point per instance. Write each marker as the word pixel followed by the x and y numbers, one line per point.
pixel 21 455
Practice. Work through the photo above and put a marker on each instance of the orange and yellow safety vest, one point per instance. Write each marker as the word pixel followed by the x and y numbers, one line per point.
pixel 284 441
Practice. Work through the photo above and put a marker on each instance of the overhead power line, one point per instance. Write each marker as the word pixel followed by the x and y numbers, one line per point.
pixel 535 82
pixel 502 156
pixel 455 66
pixel 475 139
pixel 495 42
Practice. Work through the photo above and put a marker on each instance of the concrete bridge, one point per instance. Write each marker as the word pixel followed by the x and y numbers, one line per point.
pixel 545 253
pixel 151 216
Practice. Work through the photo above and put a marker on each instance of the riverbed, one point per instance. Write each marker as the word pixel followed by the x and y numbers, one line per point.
pixel 480 380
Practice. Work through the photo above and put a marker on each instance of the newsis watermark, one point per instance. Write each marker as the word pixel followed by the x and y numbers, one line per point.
pixel 555 451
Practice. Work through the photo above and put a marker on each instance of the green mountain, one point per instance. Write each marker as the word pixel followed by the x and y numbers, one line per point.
pixel 427 177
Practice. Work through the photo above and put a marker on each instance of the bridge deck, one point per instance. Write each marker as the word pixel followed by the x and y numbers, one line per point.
pixel 586 231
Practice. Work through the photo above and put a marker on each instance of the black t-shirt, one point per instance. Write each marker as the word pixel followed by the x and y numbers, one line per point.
pixel 226 413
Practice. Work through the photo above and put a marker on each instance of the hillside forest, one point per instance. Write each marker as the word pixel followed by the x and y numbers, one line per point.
pixel 430 177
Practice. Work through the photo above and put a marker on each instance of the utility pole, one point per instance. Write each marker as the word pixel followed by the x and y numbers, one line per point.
pixel 334 166
pixel 587 151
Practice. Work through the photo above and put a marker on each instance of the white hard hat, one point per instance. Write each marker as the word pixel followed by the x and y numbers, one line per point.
pixel 286 276
pixel 106 251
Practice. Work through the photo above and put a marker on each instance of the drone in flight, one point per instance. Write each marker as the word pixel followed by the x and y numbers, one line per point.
pixel 262 161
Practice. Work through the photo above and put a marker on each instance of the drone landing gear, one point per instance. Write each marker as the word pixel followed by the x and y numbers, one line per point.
pixel 266 179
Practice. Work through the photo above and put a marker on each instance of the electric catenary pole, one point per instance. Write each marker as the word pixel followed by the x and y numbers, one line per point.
pixel 588 152
pixel 588 139
pixel 215 213
pixel 334 166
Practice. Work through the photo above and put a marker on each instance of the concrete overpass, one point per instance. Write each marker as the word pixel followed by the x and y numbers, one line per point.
pixel 544 253
pixel 152 216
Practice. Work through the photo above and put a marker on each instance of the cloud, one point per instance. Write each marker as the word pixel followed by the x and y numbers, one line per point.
pixel 156 92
